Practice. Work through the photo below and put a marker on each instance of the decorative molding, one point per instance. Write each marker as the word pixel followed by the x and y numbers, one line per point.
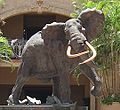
pixel 16 7
pixel 39 2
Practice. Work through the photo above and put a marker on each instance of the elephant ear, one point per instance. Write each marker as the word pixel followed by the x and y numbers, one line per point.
pixel 93 22
pixel 53 31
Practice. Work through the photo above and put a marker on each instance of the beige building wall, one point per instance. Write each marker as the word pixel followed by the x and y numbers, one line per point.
pixel 15 7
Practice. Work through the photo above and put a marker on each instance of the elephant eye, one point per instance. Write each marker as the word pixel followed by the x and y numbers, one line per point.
pixel 70 25
pixel 78 21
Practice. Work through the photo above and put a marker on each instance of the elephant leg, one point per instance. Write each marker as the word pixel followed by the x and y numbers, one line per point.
pixel 16 91
pixel 90 72
pixel 61 88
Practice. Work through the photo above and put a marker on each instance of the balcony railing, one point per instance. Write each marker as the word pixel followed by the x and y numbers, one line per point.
pixel 17 46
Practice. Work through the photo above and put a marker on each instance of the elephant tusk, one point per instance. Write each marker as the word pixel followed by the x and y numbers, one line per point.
pixel 94 53
pixel 75 55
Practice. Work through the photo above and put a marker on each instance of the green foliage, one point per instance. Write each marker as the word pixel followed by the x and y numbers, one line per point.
pixel 2 2
pixel 109 41
pixel 110 99
pixel 5 49
pixel 78 6
pixel 6 52
pixel 76 74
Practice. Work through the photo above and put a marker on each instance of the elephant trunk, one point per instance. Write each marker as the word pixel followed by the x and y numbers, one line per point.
pixel 75 32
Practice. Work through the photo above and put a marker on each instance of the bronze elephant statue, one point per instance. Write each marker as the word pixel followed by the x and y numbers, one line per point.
pixel 56 50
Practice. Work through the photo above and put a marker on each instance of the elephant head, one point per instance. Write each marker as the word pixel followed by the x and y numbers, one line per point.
pixel 82 30
pixel 77 33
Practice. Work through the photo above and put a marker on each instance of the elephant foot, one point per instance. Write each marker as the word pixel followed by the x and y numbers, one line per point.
pixel 96 90
pixel 12 101
pixel 53 100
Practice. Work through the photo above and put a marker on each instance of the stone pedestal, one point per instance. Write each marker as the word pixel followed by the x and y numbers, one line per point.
pixel 37 107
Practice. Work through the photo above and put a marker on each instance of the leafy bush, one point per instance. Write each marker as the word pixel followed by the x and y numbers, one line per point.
pixel 5 49
pixel 111 98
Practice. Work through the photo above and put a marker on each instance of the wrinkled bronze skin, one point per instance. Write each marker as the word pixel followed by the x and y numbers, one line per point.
pixel 44 55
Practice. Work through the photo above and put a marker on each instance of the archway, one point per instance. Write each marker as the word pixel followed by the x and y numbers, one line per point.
pixel 25 25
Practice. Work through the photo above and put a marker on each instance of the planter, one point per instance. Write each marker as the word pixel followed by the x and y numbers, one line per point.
pixel 114 106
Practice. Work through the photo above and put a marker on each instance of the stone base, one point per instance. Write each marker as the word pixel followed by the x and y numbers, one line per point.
pixel 37 107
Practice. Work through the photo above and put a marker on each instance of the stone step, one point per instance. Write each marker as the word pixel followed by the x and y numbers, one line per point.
pixel 36 107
